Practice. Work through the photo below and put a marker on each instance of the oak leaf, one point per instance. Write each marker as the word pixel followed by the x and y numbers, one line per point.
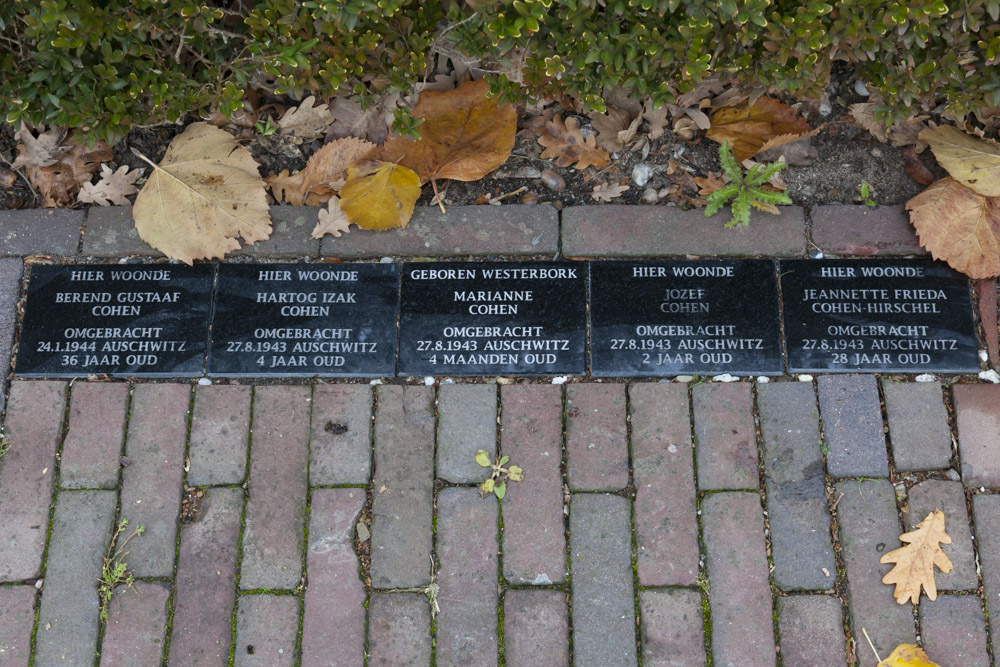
pixel 748 128
pixel 203 196
pixel 959 226
pixel 331 220
pixel 113 188
pixel 608 191
pixel 350 120
pixel 614 128
pixel 379 195
pixel 657 118
pixel 907 655
pixel 465 135
pixel 973 162
pixel 916 559
pixel 40 151
pixel 564 142
pixel 306 121
pixel 58 168
pixel 323 174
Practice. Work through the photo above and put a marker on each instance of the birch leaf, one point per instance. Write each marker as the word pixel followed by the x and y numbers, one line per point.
pixel 907 655
pixel 203 196
pixel 379 195
pixel 973 162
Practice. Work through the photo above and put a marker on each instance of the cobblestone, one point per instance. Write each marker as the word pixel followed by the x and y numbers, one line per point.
pixel 340 448
pixel 266 630
pixel 852 426
pixel 206 582
pixel 672 628
pixel 796 495
pixel 10 285
pixel 978 433
pixel 918 425
pixel 276 509
pixel 136 623
pixel 596 437
pixel 985 510
pixel 151 483
pixel 467 575
pixel 404 478
pixel 40 231
pixel 290 236
pixel 739 597
pixel 812 631
pixel 220 431
pixel 724 428
pixel 666 525
pixel 69 614
pixel 847 229
pixel 869 527
pixel 111 232
pixel 399 630
pixel 93 445
pixel 17 617
pixel 27 475
pixel 641 231
pixel 953 630
pixel 601 564
pixel 534 542
pixel 467 422
pixel 333 628
pixel 937 494
pixel 512 229
pixel 536 628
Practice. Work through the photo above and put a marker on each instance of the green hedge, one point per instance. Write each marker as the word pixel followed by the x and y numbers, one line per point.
pixel 106 66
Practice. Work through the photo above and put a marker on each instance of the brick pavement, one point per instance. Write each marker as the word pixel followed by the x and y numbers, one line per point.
pixel 672 523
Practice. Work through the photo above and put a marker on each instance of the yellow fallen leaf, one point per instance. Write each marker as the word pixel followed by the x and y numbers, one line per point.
pixel 973 162
pixel 203 196
pixel 915 561
pixel 379 195
pixel 748 128
pixel 907 655
pixel 959 226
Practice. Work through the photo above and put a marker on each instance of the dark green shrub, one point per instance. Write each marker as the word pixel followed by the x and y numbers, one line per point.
pixel 106 66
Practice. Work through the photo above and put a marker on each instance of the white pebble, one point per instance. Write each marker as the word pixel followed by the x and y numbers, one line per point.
pixel 763 379
pixel 560 380
pixel 649 196
pixel 983 356
pixel 860 88
pixel 990 375
pixel 684 378
pixel 204 382
pixel 725 377
pixel 825 109
pixel 448 381
pixel 805 378
pixel 38 584
pixel 641 173
pixel 925 377
pixel 385 260
pixel 376 381
pixel 817 255
pixel 429 380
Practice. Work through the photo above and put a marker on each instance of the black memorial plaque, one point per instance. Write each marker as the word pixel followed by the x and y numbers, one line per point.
pixel 673 317
pixel 125 320
pixel 897 316
pixel 331 320
pixel 479 318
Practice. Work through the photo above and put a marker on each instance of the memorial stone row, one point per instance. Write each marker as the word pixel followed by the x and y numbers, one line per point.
pixel 647 318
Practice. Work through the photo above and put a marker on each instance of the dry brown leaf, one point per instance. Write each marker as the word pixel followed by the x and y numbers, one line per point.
pixel 465 135
pixel 685 128
pixel 907 655
pixel 798 153
pixel 331 220
pixel 379 195
pixel 306 121
pixel 702 89
pixel 203 196
pixel 748 128
pixel 608 191
pixel 915 561
pixel 959 226
pixel 973 162
pixel 610 126
pixel 40 151
pixel 709 184
pixel 113 188
pixel 699 117
pixel 350 120
pixel 323 175
pixel 864 116
pixel 915 168
pixel 621 98
pixel 657 118
pixel 285 187
pixel 58 173
pixel 564 142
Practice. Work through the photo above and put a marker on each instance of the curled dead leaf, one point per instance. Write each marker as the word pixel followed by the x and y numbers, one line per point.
pixel 379 195
pixel 915 168
pixel 750 128
pixel 960 226
pixel 614 128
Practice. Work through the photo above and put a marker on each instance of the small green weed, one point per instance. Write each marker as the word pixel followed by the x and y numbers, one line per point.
pixel 745 190
pixel 114 571
pixel 4 446
pixel 266 128
pixel 497 482
pixel 867 194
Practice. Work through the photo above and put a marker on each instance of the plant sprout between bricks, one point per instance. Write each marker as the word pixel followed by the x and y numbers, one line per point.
pixel 496 483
